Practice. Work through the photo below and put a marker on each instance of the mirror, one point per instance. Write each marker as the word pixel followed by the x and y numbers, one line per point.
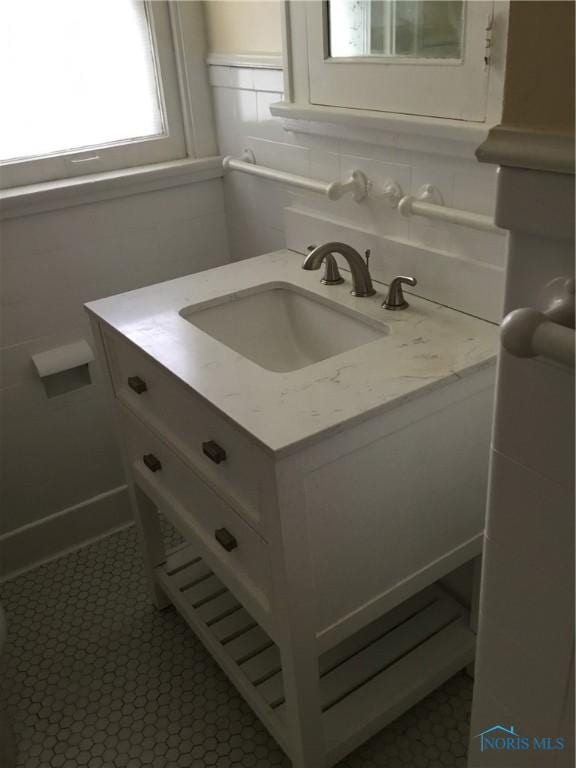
pixel 395 28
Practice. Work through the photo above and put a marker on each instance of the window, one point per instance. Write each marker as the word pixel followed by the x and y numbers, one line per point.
pixel 87 86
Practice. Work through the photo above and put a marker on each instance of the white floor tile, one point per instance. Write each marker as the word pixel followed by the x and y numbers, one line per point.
pixel 94 675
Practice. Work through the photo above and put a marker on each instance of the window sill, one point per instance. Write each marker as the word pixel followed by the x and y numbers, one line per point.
pixel 64 193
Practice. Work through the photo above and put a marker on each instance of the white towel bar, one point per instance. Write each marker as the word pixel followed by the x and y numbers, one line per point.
pixel 357 184
pixel 429 204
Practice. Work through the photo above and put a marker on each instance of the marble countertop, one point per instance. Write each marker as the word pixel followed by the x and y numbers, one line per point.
pixel 428 345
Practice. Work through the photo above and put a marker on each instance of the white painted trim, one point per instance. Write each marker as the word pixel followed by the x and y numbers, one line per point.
pixel 534 150
pixel 187 21
pixel 536 203
pixel 63 532
pixel 448 88
pixel 297 80
pixel 168 145
pixel 399 138
pixel 51 195
pixel 183 26
pixel 354 119
pixel 387 601
pixel 249 60
pixel 287 68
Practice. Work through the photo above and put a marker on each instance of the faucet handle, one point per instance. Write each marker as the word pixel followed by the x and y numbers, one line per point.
pixel 395 296
pixel 367 254
pixel 310 248
pixel 332 274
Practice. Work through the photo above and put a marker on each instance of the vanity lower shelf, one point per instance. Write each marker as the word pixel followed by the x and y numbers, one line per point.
pixel 365 682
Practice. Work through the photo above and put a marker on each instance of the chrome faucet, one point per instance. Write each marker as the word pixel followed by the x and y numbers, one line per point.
pixel 361 280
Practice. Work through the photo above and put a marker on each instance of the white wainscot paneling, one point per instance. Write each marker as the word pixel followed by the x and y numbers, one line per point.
pixel 541 438
pixel 519 679
pixel 61 452
pixel 54 457
pixel 53 262
pixel 486 712
pixel 536 515
pixel 532 262
pixel 524 604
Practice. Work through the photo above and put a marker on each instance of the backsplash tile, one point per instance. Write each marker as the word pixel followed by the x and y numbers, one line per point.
pixel 255 209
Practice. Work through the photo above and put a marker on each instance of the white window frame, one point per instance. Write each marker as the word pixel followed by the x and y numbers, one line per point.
pixel 177 34
pixel 440 88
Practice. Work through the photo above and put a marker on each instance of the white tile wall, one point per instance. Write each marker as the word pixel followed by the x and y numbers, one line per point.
pixel 242 99
pixel 511 667
pixel 60 452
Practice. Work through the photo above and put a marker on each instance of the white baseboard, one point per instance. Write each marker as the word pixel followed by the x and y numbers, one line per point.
pixel 63 532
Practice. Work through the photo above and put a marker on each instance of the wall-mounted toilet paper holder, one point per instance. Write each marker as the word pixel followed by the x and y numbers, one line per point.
pixel 64 369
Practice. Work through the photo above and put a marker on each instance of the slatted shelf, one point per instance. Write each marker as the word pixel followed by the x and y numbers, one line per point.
pixel 365 682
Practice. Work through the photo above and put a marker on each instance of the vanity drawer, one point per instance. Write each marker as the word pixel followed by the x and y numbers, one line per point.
pixel 237 554
pixel 223 456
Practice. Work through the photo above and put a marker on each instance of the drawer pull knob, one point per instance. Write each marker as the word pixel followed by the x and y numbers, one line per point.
pixel 215 452
pixel 152 462
pixel 137 384
pixel 225 539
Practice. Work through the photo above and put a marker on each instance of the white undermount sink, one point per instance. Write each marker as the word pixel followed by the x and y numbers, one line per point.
pixel 283 328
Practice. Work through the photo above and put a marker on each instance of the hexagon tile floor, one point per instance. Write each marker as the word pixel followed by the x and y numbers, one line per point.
pixel 94 676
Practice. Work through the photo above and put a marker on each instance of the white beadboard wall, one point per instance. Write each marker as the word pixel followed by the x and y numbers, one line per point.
pixel 264 215
pixel 60 453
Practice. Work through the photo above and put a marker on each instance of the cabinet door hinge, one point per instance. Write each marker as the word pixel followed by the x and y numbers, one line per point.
pixel 489 29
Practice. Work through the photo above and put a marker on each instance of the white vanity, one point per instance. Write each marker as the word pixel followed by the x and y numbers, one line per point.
pixel 325 461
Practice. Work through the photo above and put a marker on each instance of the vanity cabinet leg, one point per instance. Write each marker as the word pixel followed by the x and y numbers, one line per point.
pixel 296 608
pixel 301 686
pixel 151 541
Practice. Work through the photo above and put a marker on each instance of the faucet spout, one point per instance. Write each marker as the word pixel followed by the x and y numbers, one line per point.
pixel 361 280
